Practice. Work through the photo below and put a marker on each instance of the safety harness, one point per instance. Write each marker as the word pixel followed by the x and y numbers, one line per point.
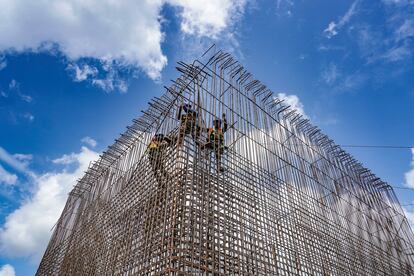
pixel 216 136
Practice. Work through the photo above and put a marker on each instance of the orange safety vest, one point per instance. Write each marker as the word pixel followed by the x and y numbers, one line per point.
pixel 213 135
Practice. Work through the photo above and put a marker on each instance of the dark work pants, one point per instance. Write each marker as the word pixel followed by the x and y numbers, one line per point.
pixel 156 159
pixel 218 152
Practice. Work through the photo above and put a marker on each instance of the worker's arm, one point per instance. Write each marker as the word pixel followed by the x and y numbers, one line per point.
pixel 225 125
pixel 147 149
pixel 168 140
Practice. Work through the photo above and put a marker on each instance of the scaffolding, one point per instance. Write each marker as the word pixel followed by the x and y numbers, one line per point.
pixel 279 198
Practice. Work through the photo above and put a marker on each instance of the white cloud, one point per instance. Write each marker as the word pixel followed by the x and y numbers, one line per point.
pixel 208 18
pixel 29 117
pixel 15 86
pixel 66 159
pixel 26 98
pixel 127 33
pixel 24 158
pixel 6 177
pixel 392 43
pixel 82 73
pixel 401 44
pixel 7 270
pixel 409 176
pixel 410 217
pixel 284 7
pixel 294 102
pixel 27 230
pixel 333 28
pixel 3 62
pixel 330 74
pixel 398 53
pixel 112 81
pixel 397 2
pixel 340 82
pixel 352 81
pixel 330 48
pixel 89 141
pixel 406 30
pixel 19 162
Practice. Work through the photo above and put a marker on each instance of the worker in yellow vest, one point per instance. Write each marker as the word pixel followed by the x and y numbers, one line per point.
pixel 215 140
pixel 156 151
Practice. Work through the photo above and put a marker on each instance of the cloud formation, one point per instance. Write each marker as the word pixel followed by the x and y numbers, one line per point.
pixel 14 86
pixel 334 27
pixel 208 18
pixel 18 161
pixel 89 141
pixel 284 7
pixel 392 43
pixel 126 31
pixel 82 72
pixel 401 39
pixel 409 176
pixel 27 230
pixel 7 177
pixel 410 217
pixel 330 74
pixel 3 62
pixel 7 270
pixel 294 103
pixel 127 34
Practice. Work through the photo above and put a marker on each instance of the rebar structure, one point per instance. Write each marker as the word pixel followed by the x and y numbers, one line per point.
pixel 279 198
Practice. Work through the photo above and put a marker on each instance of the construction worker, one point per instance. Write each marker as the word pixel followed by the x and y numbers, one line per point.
pixel 215 140
pixel 189 124
pixel 156 154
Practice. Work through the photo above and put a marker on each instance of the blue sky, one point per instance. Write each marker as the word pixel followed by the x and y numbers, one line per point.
pixel 73 75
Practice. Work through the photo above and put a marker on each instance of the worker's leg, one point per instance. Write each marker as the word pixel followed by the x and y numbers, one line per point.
pixel 196 133
pixel 181 134
pixel 218 152
pixel 161 166
pixel 207 146
pixel 156 164
pixel 185 128
pixel 153 162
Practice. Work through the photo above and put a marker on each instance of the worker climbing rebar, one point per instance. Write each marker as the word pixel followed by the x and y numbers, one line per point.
pixel 189 124
pixel 156 151
pixel 215 140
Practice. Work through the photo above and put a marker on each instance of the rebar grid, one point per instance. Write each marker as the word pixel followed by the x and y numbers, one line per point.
pixel 289 202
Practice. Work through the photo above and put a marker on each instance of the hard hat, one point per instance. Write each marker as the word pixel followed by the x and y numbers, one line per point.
pixel 158 136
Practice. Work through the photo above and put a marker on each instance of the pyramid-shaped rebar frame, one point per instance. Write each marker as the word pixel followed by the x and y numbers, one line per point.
pixel 288 202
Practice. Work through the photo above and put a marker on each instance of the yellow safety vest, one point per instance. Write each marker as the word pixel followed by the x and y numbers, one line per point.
pixel 154 145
